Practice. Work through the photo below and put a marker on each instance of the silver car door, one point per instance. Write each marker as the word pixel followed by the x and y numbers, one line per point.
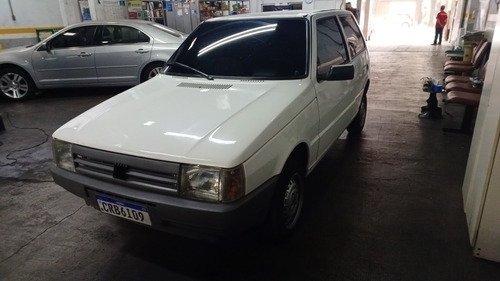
pixel 67 59
pixel 123 52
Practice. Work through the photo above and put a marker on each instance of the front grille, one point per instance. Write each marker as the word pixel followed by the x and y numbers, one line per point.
pixel 137 172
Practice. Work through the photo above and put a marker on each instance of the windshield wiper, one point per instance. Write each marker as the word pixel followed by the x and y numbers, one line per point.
pixel 190 68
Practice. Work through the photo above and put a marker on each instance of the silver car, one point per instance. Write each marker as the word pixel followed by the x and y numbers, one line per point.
pixel 89 54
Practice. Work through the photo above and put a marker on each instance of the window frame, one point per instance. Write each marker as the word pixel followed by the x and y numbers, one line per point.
pixel 113 42
pixel 324 67
pixel 361 44
pixel 91 41
pixel 187 44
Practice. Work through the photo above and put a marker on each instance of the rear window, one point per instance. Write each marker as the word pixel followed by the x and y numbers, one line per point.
pixel 168 30
pixel 257 48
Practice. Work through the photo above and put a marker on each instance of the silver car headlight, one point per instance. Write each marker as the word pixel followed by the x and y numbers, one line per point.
pixel 212 184
pixel 63 157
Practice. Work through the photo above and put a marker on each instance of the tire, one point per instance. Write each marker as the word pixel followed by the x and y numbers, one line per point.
pixel 151 70
pixel 287 201
pixel 16 84
pixel 358 123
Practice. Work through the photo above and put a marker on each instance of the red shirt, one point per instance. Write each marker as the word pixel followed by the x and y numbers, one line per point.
pixel 441 19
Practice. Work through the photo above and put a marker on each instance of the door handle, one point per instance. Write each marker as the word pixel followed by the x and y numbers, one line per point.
pixel 142 51
pixel 84 54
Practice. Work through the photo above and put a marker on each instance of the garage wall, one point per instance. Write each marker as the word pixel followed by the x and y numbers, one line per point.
pixel 107 9
pixel 19 24
pixel 28 13
pixel 480 188
pixel 70 12
pixel 19 20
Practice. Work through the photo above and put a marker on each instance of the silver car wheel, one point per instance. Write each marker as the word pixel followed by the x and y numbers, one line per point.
pixel 151 70
pixel 14 85
pixel 155 71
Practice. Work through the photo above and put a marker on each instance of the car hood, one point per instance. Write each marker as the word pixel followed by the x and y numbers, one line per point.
pixel 190 120
pixel 7 53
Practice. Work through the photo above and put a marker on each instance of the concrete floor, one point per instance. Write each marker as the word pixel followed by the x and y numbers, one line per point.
pixel 387 206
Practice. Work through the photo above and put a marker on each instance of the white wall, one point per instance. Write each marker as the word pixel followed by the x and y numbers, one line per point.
pixel 70 12
pixel 30 13
pixel 107 10
pixel 37 14
pixel 478 186
pixel 329 4
pixel 256 6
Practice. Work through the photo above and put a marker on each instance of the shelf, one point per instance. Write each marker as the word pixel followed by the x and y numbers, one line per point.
pixel 212 9
pixel 153 10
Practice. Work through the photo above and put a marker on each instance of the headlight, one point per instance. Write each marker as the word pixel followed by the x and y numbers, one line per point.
pixel 63 156
pixel 212 184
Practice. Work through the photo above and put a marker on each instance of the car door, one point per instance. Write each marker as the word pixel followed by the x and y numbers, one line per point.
pixel 122 53
pixel 67 59
pixel 330 50
pixel 359 56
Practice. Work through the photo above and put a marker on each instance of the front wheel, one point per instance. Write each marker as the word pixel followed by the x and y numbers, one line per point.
pixel 151 70
pixel 358 123
pixel 16 84
pixel 287 201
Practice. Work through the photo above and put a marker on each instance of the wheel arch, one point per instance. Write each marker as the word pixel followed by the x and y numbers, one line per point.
pixel 17 87
pixel 27 70
pixel 276 220
pixel 300 154
pixel 146 66
pixel 367 86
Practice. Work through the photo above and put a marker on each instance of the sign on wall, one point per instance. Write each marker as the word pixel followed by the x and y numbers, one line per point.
pixel 134 9
pixel 85 9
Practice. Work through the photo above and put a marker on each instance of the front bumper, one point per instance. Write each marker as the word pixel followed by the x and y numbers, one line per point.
pixel 173 214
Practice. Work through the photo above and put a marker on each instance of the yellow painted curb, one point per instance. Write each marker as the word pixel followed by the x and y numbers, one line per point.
pixel 21 30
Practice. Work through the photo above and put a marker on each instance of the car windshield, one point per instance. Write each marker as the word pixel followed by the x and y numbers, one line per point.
pixel 252 48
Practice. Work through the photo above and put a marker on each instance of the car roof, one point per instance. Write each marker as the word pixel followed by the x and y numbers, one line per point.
pixel 152 28
pixel 117 21
pixel 282 14
pixel 137 23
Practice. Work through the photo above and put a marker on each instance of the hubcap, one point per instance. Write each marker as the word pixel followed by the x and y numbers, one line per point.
pixel 292 202
pixel 362 114
pixel 155 71
pixel 13 85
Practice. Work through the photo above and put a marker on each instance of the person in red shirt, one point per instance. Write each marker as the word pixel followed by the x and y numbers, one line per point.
pixel 441 20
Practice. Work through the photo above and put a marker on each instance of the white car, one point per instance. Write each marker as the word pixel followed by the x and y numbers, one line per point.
pixel 88 54
pixel 223 140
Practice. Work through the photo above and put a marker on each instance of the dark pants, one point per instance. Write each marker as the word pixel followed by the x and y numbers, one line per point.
pixel 439 32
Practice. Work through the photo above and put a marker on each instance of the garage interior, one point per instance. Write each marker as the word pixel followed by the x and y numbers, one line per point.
pixel 390 205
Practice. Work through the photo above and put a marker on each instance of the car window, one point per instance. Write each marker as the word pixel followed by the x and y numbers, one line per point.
pixel 256 48
pixel 331 48
pixel 353 35
pixel 117 34
pixel 76 37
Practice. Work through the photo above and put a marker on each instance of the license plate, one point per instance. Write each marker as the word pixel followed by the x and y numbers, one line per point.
pixel 123 210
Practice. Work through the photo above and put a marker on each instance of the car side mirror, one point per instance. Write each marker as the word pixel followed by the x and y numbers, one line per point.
pixel 338 73
pixel 44 47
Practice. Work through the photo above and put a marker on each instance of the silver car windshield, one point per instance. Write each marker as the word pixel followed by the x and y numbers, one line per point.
pixel 251 48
